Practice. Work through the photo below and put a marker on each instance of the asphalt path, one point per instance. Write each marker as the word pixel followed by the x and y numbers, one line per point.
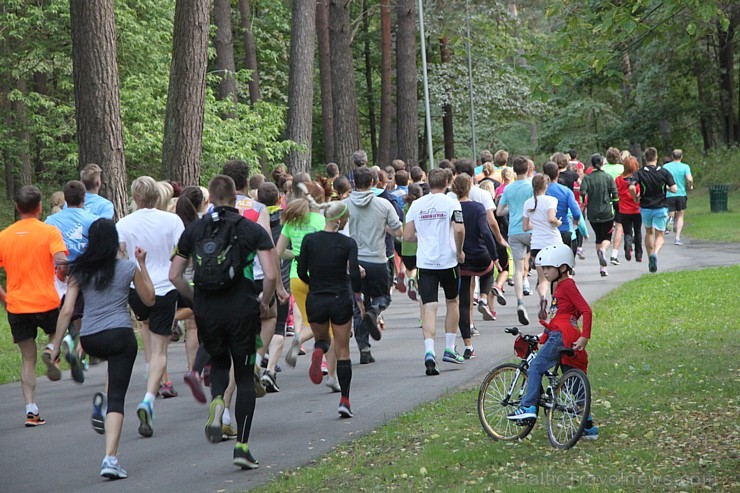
pixel 292 428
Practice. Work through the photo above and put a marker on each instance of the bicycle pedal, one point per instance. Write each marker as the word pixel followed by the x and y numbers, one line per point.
pixel 526 422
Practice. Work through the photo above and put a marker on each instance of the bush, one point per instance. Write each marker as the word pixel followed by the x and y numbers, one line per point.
pixel 718 166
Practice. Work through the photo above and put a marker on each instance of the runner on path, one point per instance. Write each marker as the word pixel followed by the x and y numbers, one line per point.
pixel 676 201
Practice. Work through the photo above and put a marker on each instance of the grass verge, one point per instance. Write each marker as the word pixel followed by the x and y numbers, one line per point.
pixel 703 224
pixel 665 385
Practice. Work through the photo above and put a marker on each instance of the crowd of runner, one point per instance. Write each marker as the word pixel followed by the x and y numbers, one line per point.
pixel 250 261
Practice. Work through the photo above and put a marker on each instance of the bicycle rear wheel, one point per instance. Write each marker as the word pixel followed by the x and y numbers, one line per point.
pixel 500 394
pixel 571 406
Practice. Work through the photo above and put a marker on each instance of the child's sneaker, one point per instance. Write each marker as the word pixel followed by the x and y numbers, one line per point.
pixel 524 412
pixel 591 433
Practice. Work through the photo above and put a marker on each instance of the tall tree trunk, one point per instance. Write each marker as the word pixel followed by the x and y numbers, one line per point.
pixel 369 83
pixel 224 43
pixel 6 155
pixel 40 86
pixel 97 98
pixel 386 85
pixel 23 136
pixel 727 82
pixel 327 107
pixel 706 105
pixel 344 94
pixel 406 95
pixel 447 117
pixel 300 84
pixel 250 49
pixel 183 125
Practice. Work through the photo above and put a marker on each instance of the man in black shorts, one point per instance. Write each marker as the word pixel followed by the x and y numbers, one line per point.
pixel 229 318
pixel 435 222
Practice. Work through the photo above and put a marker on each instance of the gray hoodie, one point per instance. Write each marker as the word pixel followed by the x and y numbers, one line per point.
pixel 368 217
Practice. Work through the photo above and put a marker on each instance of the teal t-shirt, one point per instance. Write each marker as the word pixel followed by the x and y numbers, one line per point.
pixel 515 194
pixel 679 171
pixel 295 232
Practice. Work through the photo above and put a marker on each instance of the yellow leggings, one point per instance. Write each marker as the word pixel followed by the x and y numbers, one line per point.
pixel 299 290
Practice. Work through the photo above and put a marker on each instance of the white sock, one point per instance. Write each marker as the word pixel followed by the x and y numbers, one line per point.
pixel 149 397
pixel 226 418
pixel 258 360
pixel 472 326
pixel 450 341
pixel 50 346
pixel 111 459
pixel 469 348
pixel 429 345
pixel 32 408
pixel 615 253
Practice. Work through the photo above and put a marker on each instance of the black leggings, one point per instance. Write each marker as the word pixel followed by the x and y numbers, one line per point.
pixel 245 393
pixel 119 347
pixel 486 283
pixel 632 226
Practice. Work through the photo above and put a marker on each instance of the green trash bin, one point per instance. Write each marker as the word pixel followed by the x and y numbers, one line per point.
pixel 718 197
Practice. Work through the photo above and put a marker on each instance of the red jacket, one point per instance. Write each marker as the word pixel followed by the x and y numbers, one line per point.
pixel 570 306
pixel 627 204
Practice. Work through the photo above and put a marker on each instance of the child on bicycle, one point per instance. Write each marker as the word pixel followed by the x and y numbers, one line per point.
pixel 557 262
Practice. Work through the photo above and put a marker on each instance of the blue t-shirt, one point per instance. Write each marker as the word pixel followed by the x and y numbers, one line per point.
pixel 74 224
pixel 679 171
pixel 98 206
pixel 515 194
pixel 399 194
pixel 566 202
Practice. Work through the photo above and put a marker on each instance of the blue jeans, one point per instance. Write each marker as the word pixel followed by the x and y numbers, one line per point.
pixel 546 358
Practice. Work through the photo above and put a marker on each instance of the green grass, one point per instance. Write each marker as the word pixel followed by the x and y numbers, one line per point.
pixel 10 356
pixel 703 224
pixel 660 364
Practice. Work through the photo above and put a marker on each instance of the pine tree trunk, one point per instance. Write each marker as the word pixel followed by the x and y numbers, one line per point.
pixel 706 112
pixel 250 49
pixel 300 84
pixel 727 82
pixel 369 84
pixel 23 136
pixel 97 98
pixel 386 85
pixel 447 117
pixel 344 94
pixel 224 44
pixel 406 95
pixel 327 107
pixel 183 126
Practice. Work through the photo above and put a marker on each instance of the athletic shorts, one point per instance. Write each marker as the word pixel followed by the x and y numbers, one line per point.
pixel 617 215
pixel 25 325
pixel 258 283
pixel 520 245
pixel 676 203
pixel 503 257
pixel 431 279
pixel 533 254
pixel 182 302
pixel 655 218
pixel 161 316
pixel 603 231
pixel 409 261
pixel 238 334
pixel 327 307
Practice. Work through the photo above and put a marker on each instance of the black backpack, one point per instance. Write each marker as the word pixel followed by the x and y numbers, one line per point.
pixel 218 260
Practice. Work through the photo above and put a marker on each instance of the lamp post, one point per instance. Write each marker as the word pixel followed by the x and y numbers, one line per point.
pixel 426 85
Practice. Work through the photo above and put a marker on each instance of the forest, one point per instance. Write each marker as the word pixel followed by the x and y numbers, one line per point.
pixel 174 88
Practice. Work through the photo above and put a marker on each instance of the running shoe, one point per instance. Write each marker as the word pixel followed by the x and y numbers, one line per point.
pixel 510 281
pixel 344 410
pixel 499 294
pixel 269 381
pixel 678 242
pixel 291 357
pixel 542 315
pixel 314 371
pixel 78 373
pixel 603 272
pixel 526 290
pixel 243 457
pixel 370 323
pixel 52 369
pixel 196 386
pixel 474 331
pixel 176 332
pixel 289 331
pixel 591 433
pixel 602 260
pixel 452 356
pixel 324 368
pixel 524 412
pixel 614 261
pixel 167 391
pixel 258 388
pixel 486 312
pixel 653 263
pixel 33 420
pixel 522 314
pixel 579 252
pixel 145 413
pixel 400 284
pixel 100 408
pixel 412 293
pixel 366 357
pixel 111 469
pixel 229 433
pixel 469 353
pixel 332 383
pixel 628 242
pixel 214 425
pixel 430 362
pixel 302 351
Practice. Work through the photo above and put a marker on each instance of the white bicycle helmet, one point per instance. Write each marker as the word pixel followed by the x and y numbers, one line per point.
pixel 555 256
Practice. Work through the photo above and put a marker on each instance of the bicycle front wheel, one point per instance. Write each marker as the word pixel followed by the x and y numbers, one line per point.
pixel 569 409
pixel 500 394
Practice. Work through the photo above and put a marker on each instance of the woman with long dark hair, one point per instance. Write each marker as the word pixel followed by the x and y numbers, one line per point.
pixel 107 332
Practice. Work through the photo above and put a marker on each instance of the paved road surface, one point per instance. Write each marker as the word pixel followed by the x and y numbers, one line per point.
pixel 291 428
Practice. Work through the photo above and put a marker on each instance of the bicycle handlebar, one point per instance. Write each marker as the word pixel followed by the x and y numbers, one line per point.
pixel 512 330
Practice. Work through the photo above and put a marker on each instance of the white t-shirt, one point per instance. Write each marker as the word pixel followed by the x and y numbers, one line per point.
pixel 544 234
pixel 432 216
pixel 477 194
pixel 158 233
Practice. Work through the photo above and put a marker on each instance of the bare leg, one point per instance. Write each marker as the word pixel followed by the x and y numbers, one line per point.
pixel 113 427
pixel 452 317
pixel 191 341
pixel 28 369
pixel 157 362
pixel 649 240
pixel 678 224
pixel 429 320
pixel 659 237
pixel 617 237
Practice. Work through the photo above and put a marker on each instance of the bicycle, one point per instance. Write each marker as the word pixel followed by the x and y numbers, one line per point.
pixel 566 400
